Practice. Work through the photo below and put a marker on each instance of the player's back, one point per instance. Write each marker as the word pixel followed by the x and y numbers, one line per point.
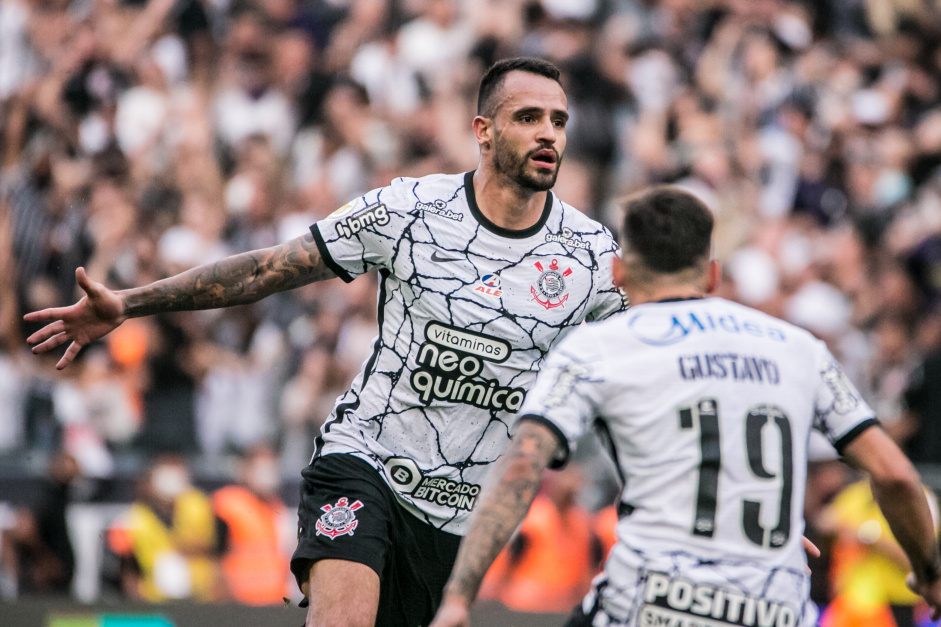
pixel 710 409
pixel 708 406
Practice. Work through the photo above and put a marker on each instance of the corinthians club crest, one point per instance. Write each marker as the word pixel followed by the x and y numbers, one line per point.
pixel 549 290
pixel 339 519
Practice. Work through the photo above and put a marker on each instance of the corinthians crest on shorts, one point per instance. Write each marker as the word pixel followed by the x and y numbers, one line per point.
pixel 339 519
pixel 550 285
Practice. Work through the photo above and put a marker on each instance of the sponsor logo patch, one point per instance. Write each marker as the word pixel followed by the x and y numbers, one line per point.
pixel 339 519
pixel 549 290
pixel 344 210
pixel 678 603
pixel 656 329
pixel 439 208
pixel 408 479
pixel 450 362
pixel 371 216
pixel 440 258
pixel 489 286
pixel 568 237
pixel 565 383
pixel 844 399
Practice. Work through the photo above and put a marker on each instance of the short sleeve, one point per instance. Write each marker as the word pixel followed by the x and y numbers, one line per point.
pixel 566 394
pixel 840 413
pixel 608 298
pixel 362 234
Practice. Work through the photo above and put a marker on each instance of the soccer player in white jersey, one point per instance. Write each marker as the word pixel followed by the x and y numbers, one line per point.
pixel 708 406
pixel 480 274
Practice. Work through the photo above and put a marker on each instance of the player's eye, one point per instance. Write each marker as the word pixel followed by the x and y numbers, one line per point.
pixel 559 123
pixel 527 119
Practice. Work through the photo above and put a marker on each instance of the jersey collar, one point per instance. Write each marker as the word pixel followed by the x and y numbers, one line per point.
pixel 677 300
pixel 499 230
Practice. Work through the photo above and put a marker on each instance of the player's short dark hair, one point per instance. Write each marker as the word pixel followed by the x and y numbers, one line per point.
pixel 490 83
pixel 669 228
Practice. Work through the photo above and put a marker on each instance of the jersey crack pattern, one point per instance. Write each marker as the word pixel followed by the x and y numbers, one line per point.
pixel 459 341
pixel 623 603
pixel 715 465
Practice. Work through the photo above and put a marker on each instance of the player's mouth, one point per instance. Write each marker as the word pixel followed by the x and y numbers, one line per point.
pixel 545 158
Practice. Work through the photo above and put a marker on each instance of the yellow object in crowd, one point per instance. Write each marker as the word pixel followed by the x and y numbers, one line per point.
pixel 868 572
pixel 174 561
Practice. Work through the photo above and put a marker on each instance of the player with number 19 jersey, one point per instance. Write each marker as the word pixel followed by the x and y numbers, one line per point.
pixel 708 407
pixel 467 312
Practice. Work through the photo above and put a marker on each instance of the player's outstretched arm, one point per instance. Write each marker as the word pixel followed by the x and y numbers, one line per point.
pixel 512 486
pixel 236 280
pixel 897 489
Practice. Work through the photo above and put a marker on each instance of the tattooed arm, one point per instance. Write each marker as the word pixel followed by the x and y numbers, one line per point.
pixel 513 485
pixel 236 280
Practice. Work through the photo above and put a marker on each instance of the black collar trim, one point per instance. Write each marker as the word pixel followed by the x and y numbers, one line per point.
pixel 499 230
pixel 677 300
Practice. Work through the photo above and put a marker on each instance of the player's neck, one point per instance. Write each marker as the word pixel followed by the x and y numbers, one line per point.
pixel 505 203
pixel 665 293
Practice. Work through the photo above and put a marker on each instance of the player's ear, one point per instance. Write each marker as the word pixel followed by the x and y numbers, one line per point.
pixel 713 276
pixel 617 272
pixel 483 131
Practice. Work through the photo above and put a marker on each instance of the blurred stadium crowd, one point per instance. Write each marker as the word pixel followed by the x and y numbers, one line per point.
pixel 143 137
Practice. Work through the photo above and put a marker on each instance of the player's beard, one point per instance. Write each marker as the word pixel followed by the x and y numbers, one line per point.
pixel 516 167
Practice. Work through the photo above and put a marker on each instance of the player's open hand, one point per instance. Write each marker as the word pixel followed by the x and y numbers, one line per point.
pixel 98 313
pixel 452 613
pixel 930 592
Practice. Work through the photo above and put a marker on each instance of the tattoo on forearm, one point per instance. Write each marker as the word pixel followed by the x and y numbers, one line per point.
pixel 236 280
pixel 504 506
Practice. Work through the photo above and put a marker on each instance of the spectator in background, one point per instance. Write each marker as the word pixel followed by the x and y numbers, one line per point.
pixel 36 550
pixel 252 103
pixel 922 400
pixel 254 561
pixel 868 566
pixel 169 391
pixel 825 480
pixel 143 137
pixel 167 542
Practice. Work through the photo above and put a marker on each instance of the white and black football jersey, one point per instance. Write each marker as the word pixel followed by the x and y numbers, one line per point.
pixel 707 406
pixel 467 312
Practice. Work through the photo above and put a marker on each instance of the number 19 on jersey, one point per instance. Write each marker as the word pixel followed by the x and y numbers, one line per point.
pixel 757 420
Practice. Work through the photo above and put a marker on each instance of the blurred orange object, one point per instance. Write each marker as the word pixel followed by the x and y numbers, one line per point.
pixel 254 567
pixel 549 567
pixel 845 612
pixel 606 528
pixel 128 343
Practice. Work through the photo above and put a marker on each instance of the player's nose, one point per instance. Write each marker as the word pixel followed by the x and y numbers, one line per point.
pixel 548 132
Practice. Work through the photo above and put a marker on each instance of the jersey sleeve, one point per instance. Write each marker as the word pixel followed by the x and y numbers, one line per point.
pixel 362 234
pixel 565 395
pixel 608 298
pixel 840 413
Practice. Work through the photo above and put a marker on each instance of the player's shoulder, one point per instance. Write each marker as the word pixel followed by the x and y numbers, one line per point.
pixel 744 312
pixel 574 225
pixel 790 329
pixel 433 193
pixel 755 322
pixel 674 322
pixel 592 339
pixel 425 187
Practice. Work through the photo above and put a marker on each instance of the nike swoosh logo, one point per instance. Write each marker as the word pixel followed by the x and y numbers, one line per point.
pixel 436 257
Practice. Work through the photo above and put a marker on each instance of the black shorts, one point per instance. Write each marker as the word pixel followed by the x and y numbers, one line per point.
pixel 347 512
